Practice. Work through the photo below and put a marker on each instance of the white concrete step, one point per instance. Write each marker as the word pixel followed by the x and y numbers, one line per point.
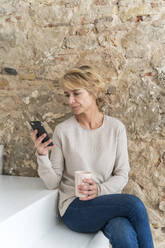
pixel 62 237
pixel 27 211
pixel 28 218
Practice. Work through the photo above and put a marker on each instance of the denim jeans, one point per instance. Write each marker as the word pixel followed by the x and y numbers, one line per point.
pixel 122 218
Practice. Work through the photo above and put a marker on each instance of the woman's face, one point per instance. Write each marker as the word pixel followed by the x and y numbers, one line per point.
pixel 80 100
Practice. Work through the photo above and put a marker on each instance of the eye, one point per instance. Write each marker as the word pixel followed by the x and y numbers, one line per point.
pixel 76 93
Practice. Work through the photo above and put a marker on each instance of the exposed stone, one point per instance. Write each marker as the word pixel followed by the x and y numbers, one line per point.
pixel 50 116
pixel 81 42
pixel 10 71
pixel 139 10
pixel 124 40
pixel 161 76
pixel 103 23
pixel 7 40
pixel 162 206
pixel 3 83
pixel 29 76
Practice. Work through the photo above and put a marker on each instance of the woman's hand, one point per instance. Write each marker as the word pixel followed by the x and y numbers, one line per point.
pixel 90 189
pixel 42 148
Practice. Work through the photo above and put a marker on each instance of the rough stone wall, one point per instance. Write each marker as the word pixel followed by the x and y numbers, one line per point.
pixel 125 40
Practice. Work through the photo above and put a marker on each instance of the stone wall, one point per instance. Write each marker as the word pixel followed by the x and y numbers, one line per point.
pixel 125 40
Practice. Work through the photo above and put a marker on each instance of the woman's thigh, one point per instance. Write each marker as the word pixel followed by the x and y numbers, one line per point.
pixel 93 215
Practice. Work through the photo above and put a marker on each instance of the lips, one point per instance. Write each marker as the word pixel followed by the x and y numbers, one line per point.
pixel 75 107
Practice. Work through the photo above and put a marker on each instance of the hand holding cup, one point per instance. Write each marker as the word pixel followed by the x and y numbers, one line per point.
pixel 85 186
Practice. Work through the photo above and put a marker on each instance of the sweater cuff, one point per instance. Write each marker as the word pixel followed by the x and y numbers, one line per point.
pixel 98 189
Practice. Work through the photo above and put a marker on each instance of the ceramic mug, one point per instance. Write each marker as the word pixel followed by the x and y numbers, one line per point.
pixel 79 176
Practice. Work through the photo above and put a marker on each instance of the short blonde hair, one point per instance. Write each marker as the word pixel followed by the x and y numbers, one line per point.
pixel 85 77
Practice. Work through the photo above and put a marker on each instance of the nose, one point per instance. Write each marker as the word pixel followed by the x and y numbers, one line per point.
pixel 71 100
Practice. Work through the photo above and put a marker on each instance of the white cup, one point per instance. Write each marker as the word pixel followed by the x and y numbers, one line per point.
pixel 79 176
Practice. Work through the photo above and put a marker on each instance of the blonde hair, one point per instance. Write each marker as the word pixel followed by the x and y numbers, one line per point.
pixel 84 77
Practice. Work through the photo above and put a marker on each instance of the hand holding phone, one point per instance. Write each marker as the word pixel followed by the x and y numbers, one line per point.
pixel 40 138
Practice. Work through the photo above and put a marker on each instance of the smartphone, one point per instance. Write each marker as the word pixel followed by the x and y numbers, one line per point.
pixel 41 130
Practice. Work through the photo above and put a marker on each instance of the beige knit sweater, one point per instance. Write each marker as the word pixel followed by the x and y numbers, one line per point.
pixel 103 151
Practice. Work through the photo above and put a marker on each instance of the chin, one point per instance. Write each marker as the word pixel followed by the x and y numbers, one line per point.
pixel 77 112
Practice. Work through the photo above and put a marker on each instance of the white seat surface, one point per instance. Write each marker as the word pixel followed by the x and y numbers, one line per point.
pixel 28 211
pixel 17 193
pixel 63 237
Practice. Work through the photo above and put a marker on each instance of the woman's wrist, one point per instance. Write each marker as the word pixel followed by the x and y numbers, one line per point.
pixel 39 154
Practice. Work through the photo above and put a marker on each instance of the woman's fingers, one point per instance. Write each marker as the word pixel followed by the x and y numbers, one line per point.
pixel 85 187
pixel 89 184
pixel 42 147
pixel 89 188
pixel 88 197
pixel 89 181
pixel 87 192
pixel 47 148
pixel 40 139
pixel 33 135
pixel 46 143
pixel 35 139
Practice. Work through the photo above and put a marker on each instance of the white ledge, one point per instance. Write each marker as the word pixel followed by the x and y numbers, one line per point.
pixel 28 218
pixel 17 193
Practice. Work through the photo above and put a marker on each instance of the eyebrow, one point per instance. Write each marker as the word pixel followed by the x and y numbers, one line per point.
pixel 65 92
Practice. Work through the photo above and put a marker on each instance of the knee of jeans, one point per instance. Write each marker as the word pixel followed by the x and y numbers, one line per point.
pixel 120 232
pixel 120 225
pixel 137 203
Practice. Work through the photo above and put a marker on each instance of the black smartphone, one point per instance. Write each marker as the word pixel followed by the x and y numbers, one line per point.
pixel 41 130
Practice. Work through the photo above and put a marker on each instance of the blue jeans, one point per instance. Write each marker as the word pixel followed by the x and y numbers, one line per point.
pixel 122 218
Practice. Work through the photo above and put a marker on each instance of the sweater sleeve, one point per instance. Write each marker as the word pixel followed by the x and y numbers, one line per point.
pixel 50 170
pixel 119 177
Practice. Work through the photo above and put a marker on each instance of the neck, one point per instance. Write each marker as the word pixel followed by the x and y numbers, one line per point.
pixel 90 119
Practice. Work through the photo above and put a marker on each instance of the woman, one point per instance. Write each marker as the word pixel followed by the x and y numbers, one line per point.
pixel 90 140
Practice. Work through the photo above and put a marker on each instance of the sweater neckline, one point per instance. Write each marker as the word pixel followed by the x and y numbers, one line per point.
pixel 90 130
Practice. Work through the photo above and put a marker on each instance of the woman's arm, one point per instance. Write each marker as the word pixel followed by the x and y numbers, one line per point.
pixel 119 178
pixel 50 170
